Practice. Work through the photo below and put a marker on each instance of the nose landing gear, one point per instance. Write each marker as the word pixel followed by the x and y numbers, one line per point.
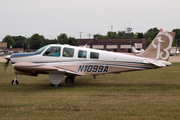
pixel 15 82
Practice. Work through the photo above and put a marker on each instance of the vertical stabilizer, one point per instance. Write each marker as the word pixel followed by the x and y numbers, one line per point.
pixel 160 47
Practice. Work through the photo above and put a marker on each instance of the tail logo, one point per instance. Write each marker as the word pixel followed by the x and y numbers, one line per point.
pixel 158 46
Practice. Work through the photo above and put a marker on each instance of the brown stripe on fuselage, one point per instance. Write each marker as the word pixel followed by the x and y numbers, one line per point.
pixel 27 66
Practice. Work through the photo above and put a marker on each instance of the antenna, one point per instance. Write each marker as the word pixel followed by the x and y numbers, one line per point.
pixel 89 35
pixel 86 45
pixel 111 29
pixel 80 34
pixel 129 30
pixel 124 27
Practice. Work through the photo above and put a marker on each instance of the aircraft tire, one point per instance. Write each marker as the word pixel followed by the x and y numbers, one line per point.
pixel 15 83
pixel 69 80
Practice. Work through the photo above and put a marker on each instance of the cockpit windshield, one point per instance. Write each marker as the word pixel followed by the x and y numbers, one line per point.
pixel 40 50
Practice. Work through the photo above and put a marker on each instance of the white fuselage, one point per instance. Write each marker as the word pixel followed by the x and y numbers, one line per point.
pixel 107 62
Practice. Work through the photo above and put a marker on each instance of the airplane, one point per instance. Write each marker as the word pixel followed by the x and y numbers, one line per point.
pixel 137 51
pixel 4 52
pixel 58 60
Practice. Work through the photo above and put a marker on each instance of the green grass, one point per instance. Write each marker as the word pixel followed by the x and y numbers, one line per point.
pixel 148 94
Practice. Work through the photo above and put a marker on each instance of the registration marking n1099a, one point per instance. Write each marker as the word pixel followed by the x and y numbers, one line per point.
pixel 91 68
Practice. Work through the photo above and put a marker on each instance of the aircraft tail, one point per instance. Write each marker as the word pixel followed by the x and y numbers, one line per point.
pixel 160 47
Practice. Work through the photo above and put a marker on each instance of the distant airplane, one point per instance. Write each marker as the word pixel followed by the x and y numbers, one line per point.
pixel 7 52
pixel 1 53
pixel 58 60
pixel 137 51
pixel 174 50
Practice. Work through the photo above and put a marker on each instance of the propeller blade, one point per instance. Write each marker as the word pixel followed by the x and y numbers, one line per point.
pixel 6 64
pixel 8 58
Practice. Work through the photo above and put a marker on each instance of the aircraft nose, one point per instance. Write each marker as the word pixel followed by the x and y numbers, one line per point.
pixel 8 57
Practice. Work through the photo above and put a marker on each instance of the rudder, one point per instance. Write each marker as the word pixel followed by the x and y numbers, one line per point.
pixel 160 47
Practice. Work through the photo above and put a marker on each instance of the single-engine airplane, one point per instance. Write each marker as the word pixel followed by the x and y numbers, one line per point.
pixel 64 60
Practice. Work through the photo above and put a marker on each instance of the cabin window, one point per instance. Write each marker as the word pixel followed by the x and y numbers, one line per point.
pixel 82 54
pixel 53 52
pixel 94 55
pixel 68 52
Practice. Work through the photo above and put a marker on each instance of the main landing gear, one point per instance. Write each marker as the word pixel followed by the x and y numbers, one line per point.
pixel 54 82
pixel 15 82
pixel 69 79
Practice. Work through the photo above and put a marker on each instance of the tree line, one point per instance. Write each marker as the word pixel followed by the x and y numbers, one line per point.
pixel 36 41
pixel 149 35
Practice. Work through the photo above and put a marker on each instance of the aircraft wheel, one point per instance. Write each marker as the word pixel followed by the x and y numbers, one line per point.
pixel 14 82
pixel 53 85
pixel 69 80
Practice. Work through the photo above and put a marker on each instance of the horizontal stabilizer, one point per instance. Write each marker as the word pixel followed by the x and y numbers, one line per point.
pixel 159 63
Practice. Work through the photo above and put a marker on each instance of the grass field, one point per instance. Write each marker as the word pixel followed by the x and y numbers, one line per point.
pixel 148 94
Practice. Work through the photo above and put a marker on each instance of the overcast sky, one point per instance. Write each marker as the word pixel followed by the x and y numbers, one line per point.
pixel 50 18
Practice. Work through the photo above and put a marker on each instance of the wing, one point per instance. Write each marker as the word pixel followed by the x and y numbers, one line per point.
pixel 34 68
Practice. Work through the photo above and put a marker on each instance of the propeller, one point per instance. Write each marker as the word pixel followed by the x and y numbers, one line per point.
pixel 8 58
